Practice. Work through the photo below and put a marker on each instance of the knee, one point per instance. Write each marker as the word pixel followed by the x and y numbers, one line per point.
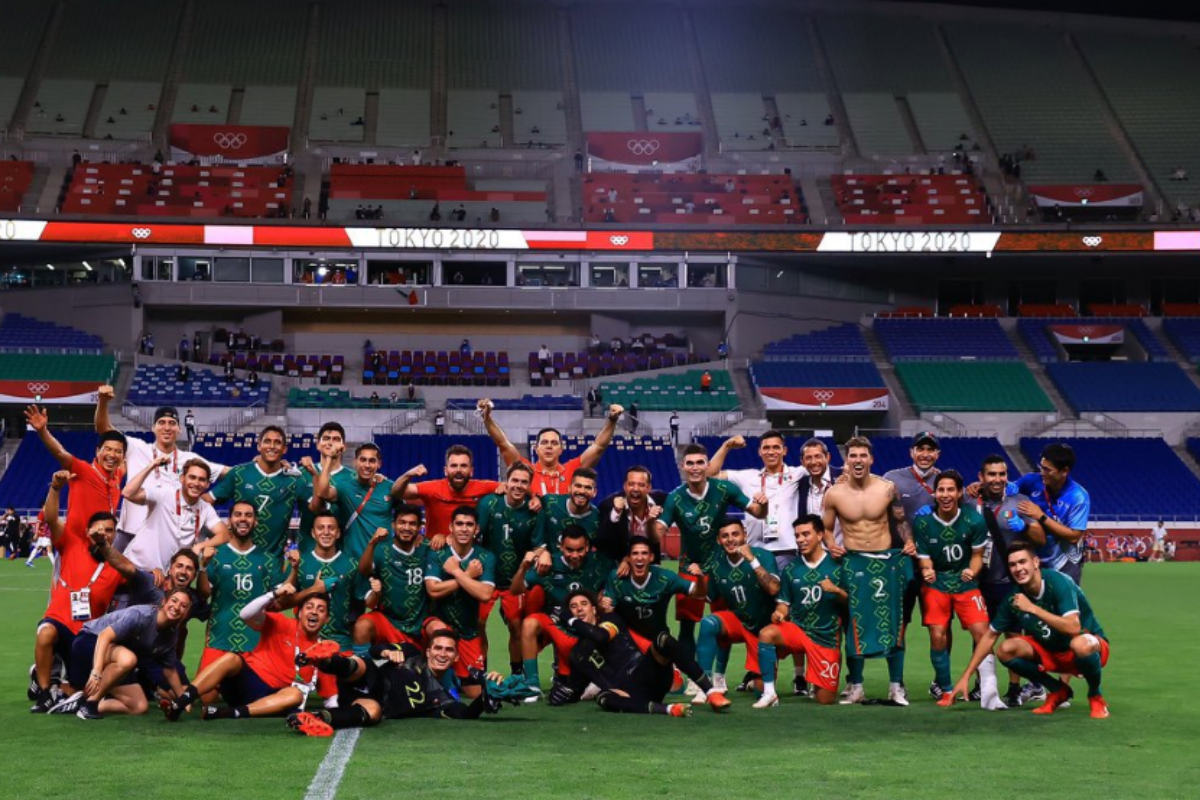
pixel 770 635
pixel 1083 646
pixel 138 707
pixel 364 631
pixel 937 638
pixel 47 636
pixel 1008 650
pixel 710 626
pixel 373 709
pixel 530 627
pixel 124 659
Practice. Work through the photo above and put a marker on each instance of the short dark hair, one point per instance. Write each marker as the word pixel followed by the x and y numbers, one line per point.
pixel 323 596
pixel 587 473
pixel 519 466
pixel 695 449
pixel 187 554
pixel 589 595
pixel 336 427
pixel 639 468
pixel 273 429
pixel 464 511
pixel 237 503
pixel 771 434
pixel 725 522
pixel 444 633
pixel 949 475
pixel 1021 545
pixel 459 450
pixel 555 431
pixel 407 510
pixel 859 441
pixel 1060 454
pixel 368 446
pixel 326 513
pixel 810 519
pixel 101 516
pixel 113 436
pixel 573 531
pixel 815 442
pixel 634 541
pixel 994 458
pixel 197 462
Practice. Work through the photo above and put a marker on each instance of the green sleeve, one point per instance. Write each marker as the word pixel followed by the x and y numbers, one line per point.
pixel 667 516
pixel 767 559
pixel 979 534
pixel 483 513
pixel 489 567
pixel 713 592
pixel 224 489
pixel 736 496
pixel 532 578
pixel 539 527
pixel 1004 619
pixel 433 569
pixel 679 584
pixel 610 584
pixel 1066 596
pixel 785 588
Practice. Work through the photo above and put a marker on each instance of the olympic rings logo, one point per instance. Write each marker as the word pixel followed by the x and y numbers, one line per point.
pixel 619 241
pixel 823 395
pixel 1084 191
pixel 38 388
pixel 229 141
pixel 1092 241
pixel 140 233
pixel 643 147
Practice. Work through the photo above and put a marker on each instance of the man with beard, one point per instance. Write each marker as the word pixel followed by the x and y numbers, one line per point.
pixel 629 513
pixel 269 485
pixel 178 515
pixel 550 475
pixel 330 437
pixel 442 497
pixel 360 499
pixel 574 508
pixel 398 607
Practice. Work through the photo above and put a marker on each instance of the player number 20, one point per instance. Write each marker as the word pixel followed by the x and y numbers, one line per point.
pixel 811 595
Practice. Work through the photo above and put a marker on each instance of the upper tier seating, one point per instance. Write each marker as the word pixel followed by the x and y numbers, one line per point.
pixel 576 366
pixel 941 339
pixel 15 177
pixel 156 385
pixel 1036 333
pixel 313 397
pixel 438 368
pixel 325 368
pixel 27 335
pixel 409 193
pixel 43 367
pixel 674 392
pixel 825 374
pixel 1125 386
pixel 526 402
pixel 753 200
pixel 840 343
pixel 1184 333
pixel 178 190
pixel 910 199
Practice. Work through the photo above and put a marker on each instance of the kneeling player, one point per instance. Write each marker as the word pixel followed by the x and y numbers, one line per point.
pixel 402 682
pixel 397 603
pixel 630 681
pixel 950 544
pixel 267 681
pixel 808 617
pixel 1059 633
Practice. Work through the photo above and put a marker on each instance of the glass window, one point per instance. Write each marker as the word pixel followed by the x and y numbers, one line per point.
pixel 549 275
pixel 266 270
pixel 399 273
pixel 658 276
pixel 232 269
pixel 609 275
pixel 195 269
pixel 157 268
pixel 324 272
pixel 706 276
pixel 474 273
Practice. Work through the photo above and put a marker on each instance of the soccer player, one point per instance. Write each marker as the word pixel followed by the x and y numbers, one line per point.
pixel 1059 633
pixel 778 482
pixel 330 437
pixel 629 513
pixel 459 579
pixel 550 476
pixel 177 515
pixel 808 610
pixel 1061 506
pixel 1001 512
pixel 575 508
pixel 110 647
pixel 1158 535
pixel 874 571
pixel 506 529
pixel 642 596
pixel 397 604
pixel 697 507
pixel 269 485
pixel 403 682
pixel 41 542
pixel 443 497
pixel 360 499
pixel 630 680
pixel 950 544
pixel 82 590
pixel 268 680
pixel 139 454
pixel 746 579
pixel 95 486
pixel 233 576
pixel 574 567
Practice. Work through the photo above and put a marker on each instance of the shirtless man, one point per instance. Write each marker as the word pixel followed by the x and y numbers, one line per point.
pixel 875 573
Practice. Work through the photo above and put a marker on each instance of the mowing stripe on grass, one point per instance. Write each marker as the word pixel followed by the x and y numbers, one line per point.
pixel 325 783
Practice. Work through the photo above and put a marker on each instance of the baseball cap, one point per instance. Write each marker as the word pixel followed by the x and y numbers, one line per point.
pixel 166 411
pixel 926 437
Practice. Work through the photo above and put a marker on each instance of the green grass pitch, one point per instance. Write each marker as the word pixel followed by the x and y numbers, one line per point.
pixel 1149 748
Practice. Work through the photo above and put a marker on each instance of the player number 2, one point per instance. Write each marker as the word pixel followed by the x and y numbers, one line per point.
pixel 880 594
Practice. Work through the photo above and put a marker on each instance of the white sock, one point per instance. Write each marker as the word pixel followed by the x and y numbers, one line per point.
pixel 718 682
pixel 987 679
pixel 768 688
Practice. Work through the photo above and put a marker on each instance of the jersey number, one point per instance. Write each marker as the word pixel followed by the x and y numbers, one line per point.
pixel 243 582
pixel 952 552
pixel 739 595
pixel 507 531
pixel 880 594
pixel 811 595
pixel 263 501
pixel 416 575
pixel 644 612
pixel 1044 629
pixel 829 670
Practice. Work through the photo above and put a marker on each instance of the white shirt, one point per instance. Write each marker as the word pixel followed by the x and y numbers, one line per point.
pixel 138 455
pixel 1159 532
pixel 171 524
pixel 783 502
pixel 815 502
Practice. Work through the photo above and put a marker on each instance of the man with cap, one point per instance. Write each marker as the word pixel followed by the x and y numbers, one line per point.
pixel 915 486
pixel 140 455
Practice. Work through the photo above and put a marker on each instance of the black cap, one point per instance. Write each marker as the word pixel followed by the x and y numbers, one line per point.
pixel 166 411
pixel 926 436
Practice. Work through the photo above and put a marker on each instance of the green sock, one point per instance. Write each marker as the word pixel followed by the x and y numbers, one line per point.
pixel 941 667
pixel 767 662
pixel 531 671
pixel 1030 670
pixel 722 664
pixel 854 668
pixel 895 664
pixel 1089 668
pixel 706 644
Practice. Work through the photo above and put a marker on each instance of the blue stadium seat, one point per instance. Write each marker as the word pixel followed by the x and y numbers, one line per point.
pixel 155 385
pixel 829 374
pixel 24 334
pixel 938 339
pixel 1125 386
pixel 1035 333
pixel 23 485
pixel 839 343
pixel 747 457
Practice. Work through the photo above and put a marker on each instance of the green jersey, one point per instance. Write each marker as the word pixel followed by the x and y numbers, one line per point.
pixel 404 600
pixel 236 578
pixel 560 581
pixel 699 517
pixel 737 585
pixel 360 510
pixel 459 610
pixel 644 606
pixel 304 493
pixel 556 514
pixel 507 533
pixel 817 612
pixel 341 579
pixel 1062 598
pixel 273 496
pixel 949 546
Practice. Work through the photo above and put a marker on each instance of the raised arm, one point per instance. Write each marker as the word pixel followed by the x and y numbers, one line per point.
pixel 366 562
pixel 403 488
pixel 508 450
pixel 255 612
pixel 829 517
pixel 133 491
pixel 323 490
pixel 37 419
pixel 50 507
pixel 104 396
pixel 591 456
pixel 716 464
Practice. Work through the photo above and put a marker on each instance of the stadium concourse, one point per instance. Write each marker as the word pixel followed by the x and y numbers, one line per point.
pixel 422 383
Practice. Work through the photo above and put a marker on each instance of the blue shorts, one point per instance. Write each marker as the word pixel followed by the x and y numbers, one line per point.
pixel 66 637
pixel 245 688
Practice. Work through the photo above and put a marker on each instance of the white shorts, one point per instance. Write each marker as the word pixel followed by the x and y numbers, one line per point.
pixel 42 541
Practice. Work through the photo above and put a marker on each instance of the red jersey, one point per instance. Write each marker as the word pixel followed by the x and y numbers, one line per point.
pixel 77 570
pixel 554 481
pixel 91 491
pixel 440 501
pixel 274 659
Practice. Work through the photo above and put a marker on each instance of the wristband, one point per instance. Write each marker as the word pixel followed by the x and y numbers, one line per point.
pixel 754 563
pixel 1042 519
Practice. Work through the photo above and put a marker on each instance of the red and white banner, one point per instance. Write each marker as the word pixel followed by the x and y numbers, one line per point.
pixel 1088 334
pixel 1090 194
pixel 38 391
pixel 642 148
pixel 825 399
pixel 230 142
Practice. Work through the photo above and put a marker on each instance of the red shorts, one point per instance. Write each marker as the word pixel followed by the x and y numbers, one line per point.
pixel 689 609
pixel 735 632
pixel 326 683
pixel 470 654
pixel 642 642
pixel 209 655
pixel 937 606
pixel 1062 663
pixel 563 642
pixel 512 606
pixel 823 664
pixel 387 633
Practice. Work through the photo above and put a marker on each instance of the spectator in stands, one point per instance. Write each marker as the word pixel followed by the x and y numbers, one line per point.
pixel 594 398
pixel 184 373
pixel 1179 174
pixel 184 345
pixel 460 213
pixel 252 378
pixel 1098 176
pixel 374 399
pixel 306 211
pixel 416 158
pixel 673 424
pixel 594 345
pixel 612 195
pixel 609 216
pixel 76 158
pixel 229 370
pixel 706 381
pixel 729 185
pixel 435 214
pixel 189 425
pixel 578 162
pixel 412 391
pixel 494 215
pixel 149 343
pixel 637 346
pixel 394 400
pixel 634 422
pixel 361 212
pixel 616 345
pixel 723 351
pixel 464 349
pixel 323 207
pixel 439 422
pixel 829 118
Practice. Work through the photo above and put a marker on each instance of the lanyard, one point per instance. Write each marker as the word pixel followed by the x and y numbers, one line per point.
pixel 174 461
pixel 1050 502
pixel 366 499
pixel 557 475
pixel 95 575
pixel 763 479
pixel 112 487
pixel 928 489
pixel 193 512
